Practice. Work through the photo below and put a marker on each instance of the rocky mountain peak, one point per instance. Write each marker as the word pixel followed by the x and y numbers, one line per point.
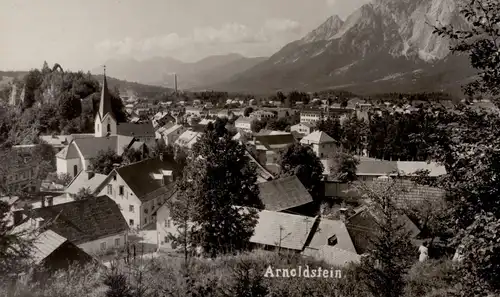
pixel 325 31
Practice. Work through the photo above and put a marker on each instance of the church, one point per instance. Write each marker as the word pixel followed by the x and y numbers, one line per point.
pixel 108 135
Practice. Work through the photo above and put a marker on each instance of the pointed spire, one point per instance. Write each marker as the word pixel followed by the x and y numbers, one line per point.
pixel 105 103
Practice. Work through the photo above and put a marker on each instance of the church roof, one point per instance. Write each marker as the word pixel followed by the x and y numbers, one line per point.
pixel 105 103
pixel 135 129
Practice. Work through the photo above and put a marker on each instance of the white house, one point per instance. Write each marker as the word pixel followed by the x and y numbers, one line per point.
pixel 95 225
pixel 244 123
pixel 171 135
pixel 188 139
pixel 139 189
pixel 195 111
pixel 321 143
pixel 262 114
pixel 305 128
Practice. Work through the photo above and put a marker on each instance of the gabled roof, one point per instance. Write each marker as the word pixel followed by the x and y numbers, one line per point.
pixel 172 129
pixel 45 244
pixel 90 147
pixel 188 138
pixel 332 255
pixel 411 167
pixel 84 220
pixel 282 230
pixel 139 176
pixel 262 173
pixel 328 228
pixel 284 193
pixel 244 120
pixel 317 137
pixel 368 166
pixel 82 181
pixel 135 129
pixel 362 227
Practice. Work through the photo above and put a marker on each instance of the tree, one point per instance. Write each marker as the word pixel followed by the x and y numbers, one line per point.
pixel 257 125
pixel 332 127
pixel 344 168
pixel 220 178
pixel 247 111
pixel 84 193
pixel 391 251
pixel 480 41
pixel 131 155
pixel 105 162
pixel 70 106
pixel 280 124
pixel 301 161
pixel 354 134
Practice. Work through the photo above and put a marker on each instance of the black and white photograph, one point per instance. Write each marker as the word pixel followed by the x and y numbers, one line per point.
pixel 249 148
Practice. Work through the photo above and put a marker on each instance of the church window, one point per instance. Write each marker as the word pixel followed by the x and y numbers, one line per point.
pixel 97 127
pixel 109 127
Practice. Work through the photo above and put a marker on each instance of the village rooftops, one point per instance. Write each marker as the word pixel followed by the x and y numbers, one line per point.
pixel 317 137
pixel 135 129
pixel 90 147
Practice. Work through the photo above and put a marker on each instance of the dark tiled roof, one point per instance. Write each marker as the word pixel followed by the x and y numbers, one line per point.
pixel 139 176
pixel 135 129
pixel 284 193
pixel 361 227
pixel 275 139
pixel 368 166
pixel 85 220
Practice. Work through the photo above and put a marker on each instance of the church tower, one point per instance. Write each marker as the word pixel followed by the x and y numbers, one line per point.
pixel 105 120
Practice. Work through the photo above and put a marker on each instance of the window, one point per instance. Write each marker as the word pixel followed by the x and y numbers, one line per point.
pixel 109 127
pixel 166 239
pixel 75 170
pixel 152 206
pixel 114 177
pixel 103 245
pixel 131 208
pixel 121 190
pixel 131 222
pixel 117 242
pixel 110 189
pixel 167 223
pixel 145 220
pixel 145 210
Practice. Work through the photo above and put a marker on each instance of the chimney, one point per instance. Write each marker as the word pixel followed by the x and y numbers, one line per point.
pixel 90 175
pixel 50 200
pixel 18 217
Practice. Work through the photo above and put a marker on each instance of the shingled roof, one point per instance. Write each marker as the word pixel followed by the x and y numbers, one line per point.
pixel 284 193
pixel 317 137
pixel 84 220
pixel 135 129
pixel 139 176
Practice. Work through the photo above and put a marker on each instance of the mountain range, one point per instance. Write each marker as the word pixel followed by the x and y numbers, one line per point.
pixel 159 70
pixel 385 45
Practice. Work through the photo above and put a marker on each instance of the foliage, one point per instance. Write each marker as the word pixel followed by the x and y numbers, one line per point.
pixel 70 106
pixel 105 162
pixel 355 131
pixel 247 111
pixel 344 167
pixel 247 282
pixel 217 178
pixel 256 125
pixel 280 124
pixel 131 155
pixel 332 127
pixel 432 278
pixel 83 193
pixel 301 161
pixel 391 251
pixel 479 40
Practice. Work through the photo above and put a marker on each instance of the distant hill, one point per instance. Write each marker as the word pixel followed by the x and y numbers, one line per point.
pixel 142 90
pixel 196 75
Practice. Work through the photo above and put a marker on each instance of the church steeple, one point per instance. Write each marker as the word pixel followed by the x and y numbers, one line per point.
pixel 105 103
pixel 105 122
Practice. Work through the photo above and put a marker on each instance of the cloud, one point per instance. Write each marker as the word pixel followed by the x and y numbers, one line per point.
pixel 230 36
pixel 331 2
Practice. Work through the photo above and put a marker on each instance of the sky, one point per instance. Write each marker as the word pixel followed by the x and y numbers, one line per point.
pixel 83 34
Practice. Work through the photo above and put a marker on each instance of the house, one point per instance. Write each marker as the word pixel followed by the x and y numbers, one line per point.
pixel 243 123
pixel 225 113
pixel 94 224
pixel 52 252
pixel 171 134
pixel 195 111
pixel 332 243
pixel 23 169
pixel 269 146
pixel 188 139
pixel 320 142
pixel 238 112
pixel 283 231
pixel 108 135
pixel 370 168
pixel 262 114
pixel 159 131
pixel 315 115
pixel 286 194
pixel 56 141
pixel 165 224
pixel 138 188
pixel 205 122
pixel 263 175
pixel 305 128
